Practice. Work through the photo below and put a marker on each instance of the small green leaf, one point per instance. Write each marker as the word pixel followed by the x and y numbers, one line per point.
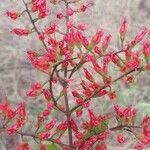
pixel 52 147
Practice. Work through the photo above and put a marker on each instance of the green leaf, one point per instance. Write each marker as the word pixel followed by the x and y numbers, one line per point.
pixel 97 130
pixel 52 147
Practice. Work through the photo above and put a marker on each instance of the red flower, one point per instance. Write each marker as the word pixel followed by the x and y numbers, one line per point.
pixel 79 112
pixel 98 50
pixel 50 124
pixel 139 146
pixel 70 11
pixel 13 15
pixel 112 95
pixel 146 130
pixel 134 61
pixel 47 94
pixel 46 112
pixel 88 75
pixel 82 8
pixel 42 36
pixel 139 36
pixel 121 139
pixel 44 135
pixel 146 48
pixel 36 89
pixel 60 15
pixel 97 37
pixel 21 32
pixel 52 28
pixel 106 42
pixel 123 28
pixel 22 110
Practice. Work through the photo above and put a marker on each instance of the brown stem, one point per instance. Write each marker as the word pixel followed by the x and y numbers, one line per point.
pixel 33 23
pixel 68 114
pixel 36 137
pixel 51 89
pixel 124 126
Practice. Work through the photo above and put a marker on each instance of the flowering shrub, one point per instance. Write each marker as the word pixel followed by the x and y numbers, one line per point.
pixel 64 54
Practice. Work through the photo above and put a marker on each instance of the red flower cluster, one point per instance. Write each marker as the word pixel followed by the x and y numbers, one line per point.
pixel 40 7
pixel 66 51
pixel 21 32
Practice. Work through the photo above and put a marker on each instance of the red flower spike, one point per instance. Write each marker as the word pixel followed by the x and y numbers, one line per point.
pixel 50 105
pixel 82 8
pixel 98 50
pixel 50 124
pixel 46 112
pixel 112 95
pixel 130 79
pixel 97 68
pixel 128 52
pixel 76 144
pixel 114 58
pixel 22 110
pixel 139 146
pixel 62 126
pixel 79 112
pixel 87 93
pixel 69 24
pixel 146 48
pixel 82 27
pixel 52 28
pixel 121 139
pixel 146 51
pixel 74 125
pixel 75 94
pixel 106 42
pixel 47 94
pixel 42 36
pixel 102 93
pixel 145 140
pixel 107 80
pixel 40 7
pixel 97 37
pixel 70 11
pixel 59 15
pixel 40 119
pixel 139 36
pixel 21 32
pixel 146 130
pixel 134 62
pixel 123 28
pixel 146 120
pixel 12 14
pixel 93 119
pixel 79 101
pixel 88 75
pixel 86 104
pixel 11 130
pixel 103 136
pixel 35 90
pixel 44 135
